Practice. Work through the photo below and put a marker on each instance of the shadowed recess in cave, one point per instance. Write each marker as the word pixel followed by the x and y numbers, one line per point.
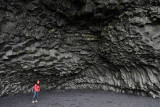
pixel 85 44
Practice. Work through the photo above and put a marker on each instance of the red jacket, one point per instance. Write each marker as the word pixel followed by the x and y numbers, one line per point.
pixel 36 87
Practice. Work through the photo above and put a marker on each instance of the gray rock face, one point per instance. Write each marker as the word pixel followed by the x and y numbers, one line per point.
pixel 80 44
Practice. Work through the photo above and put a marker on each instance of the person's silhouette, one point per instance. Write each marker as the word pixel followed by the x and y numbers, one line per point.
pixel 36 91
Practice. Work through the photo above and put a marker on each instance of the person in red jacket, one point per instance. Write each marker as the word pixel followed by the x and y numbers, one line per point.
pixel 36 91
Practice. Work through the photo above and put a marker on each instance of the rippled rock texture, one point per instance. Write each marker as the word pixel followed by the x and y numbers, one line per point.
pixel 80 44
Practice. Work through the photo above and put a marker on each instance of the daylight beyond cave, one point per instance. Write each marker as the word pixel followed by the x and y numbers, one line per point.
pixel 80 44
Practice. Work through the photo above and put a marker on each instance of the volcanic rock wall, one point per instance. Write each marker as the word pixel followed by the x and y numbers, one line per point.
pixel 80 44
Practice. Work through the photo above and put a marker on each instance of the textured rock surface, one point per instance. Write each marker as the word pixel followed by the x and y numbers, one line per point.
pixel 80 44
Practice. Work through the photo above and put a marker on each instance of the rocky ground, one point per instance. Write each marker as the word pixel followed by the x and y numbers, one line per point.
pixel 79 98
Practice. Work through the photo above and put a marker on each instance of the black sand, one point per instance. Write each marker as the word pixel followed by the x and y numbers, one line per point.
pixel 79 98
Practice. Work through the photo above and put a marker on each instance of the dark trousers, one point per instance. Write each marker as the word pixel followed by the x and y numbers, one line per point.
pixel 35 96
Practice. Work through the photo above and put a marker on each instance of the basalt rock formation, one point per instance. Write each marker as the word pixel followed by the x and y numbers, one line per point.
pixel 80 44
